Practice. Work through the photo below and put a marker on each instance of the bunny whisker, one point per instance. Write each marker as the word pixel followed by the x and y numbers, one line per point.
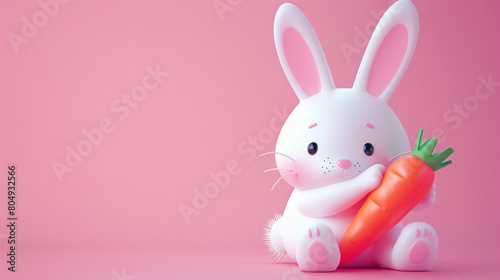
pixel 274 169
pixel 398 155
pixel 292 173
pixel 278 153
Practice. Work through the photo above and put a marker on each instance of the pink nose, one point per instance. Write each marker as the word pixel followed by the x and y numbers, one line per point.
pixel 344 163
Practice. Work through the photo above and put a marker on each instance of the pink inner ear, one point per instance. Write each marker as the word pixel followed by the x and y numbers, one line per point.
pixel 301 61
pixel 387 60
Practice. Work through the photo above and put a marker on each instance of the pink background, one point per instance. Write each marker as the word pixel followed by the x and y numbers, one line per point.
pixel 117 213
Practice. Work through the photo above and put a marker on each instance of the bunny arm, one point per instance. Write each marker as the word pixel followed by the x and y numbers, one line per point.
pixel 428 200
pixel 333 199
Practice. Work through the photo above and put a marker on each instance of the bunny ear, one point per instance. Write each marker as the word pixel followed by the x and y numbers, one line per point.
pixel 389 51
pixel 300 53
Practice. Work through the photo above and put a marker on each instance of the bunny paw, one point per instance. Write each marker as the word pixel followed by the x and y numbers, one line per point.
pixel 416 248
pixel 372 176
pixel 317 249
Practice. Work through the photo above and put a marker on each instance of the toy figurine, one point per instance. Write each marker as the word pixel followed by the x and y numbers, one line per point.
pixel 335 147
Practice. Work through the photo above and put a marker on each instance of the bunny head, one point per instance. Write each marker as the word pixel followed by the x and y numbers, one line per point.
pixel 334 134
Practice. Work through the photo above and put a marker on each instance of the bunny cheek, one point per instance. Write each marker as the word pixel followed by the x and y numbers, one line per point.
pixel 306 177
pixel 315 172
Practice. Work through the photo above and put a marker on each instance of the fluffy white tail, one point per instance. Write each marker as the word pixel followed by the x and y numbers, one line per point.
pixel 273 238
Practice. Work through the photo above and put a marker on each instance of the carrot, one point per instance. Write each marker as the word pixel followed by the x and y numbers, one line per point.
pixel 405 183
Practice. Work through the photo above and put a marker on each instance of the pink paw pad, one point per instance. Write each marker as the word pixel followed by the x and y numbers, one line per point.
pixel 424 233
pixel 317 249
pixel 416 248
pixel 419 252
pixel 318 252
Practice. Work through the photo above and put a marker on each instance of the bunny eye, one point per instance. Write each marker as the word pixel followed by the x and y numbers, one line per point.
pixel 368 149
pixel 312 149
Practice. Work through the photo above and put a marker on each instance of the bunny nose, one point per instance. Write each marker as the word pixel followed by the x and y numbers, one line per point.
pixel 344 163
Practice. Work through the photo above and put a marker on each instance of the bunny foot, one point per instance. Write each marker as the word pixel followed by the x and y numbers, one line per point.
pixel 416 248
pixel 317 249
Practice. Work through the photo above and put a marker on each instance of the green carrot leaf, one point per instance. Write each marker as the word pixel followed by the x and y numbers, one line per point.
pixel 424 150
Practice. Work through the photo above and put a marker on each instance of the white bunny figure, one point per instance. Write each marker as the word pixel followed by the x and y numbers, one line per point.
pixel 336 144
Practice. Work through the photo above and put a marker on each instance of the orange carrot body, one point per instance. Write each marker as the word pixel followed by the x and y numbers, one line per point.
pixel 406 182
pixel 404 185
